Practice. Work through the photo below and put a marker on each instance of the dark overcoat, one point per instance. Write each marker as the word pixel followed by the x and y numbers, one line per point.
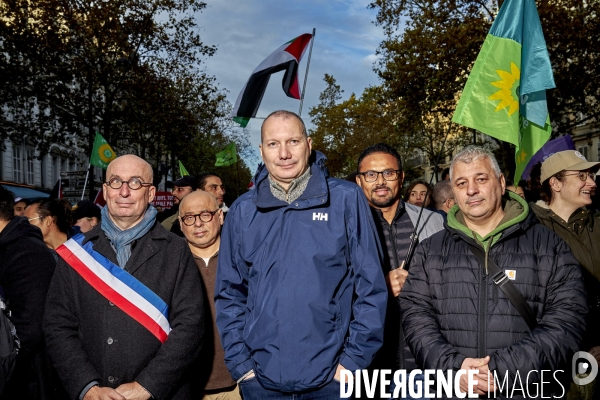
pixel 90 339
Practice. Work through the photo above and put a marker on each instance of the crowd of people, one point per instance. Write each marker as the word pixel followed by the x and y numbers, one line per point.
pixel 305 277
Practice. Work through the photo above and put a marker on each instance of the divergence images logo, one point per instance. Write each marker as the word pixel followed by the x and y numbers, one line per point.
pixel 584 368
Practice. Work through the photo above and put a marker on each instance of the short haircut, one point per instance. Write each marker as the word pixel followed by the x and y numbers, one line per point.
pixel 285 114
pixel 7 204
pixel 441 192
pixel 56 210
pixel 201 179
pixel 383 148
pixel 445 172
pixel 473 153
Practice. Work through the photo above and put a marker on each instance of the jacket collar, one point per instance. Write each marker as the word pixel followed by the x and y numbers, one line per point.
pixel 399 210
pixel 512 203
pixel 316 192
pixel 145 248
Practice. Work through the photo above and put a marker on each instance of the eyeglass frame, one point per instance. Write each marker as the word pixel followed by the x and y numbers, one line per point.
pixel 142 184
pixel 397 171
pixel 31 219
pixel 199 215
pixel 588 174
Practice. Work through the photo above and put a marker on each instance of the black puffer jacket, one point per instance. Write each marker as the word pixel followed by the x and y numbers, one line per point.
pixel 452 310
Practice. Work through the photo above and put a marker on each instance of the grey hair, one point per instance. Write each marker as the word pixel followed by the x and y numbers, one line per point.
pixel 474 153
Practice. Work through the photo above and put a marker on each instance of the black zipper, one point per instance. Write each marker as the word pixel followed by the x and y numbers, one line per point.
pixel 400 357
pixel 481 317
pixel 481 314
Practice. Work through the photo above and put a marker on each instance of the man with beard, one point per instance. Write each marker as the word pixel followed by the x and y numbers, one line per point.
pixel 380 176
pixel 181 188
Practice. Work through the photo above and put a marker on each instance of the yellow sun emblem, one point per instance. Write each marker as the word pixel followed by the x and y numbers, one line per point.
pixel 507 93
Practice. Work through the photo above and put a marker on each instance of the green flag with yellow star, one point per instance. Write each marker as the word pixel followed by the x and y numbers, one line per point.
pixel 505 95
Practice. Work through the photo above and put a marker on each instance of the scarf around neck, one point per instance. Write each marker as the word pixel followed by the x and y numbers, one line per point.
pixel 122 240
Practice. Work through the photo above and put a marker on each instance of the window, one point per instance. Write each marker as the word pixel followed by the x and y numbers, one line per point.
pixel 55 168
pixel 17 164
pixel 583 150
pixel 29 163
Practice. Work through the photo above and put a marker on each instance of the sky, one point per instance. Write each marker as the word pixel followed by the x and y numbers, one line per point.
pixel 247 31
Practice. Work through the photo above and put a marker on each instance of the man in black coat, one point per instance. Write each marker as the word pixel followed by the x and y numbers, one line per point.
pixel 102 347
pixel 26 267
pixel 456 317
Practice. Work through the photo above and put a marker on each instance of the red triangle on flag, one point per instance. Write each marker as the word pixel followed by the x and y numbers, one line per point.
pixel 99 200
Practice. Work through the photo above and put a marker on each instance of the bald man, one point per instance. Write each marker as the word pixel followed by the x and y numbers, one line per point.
pixel 201 219
pixel 124 312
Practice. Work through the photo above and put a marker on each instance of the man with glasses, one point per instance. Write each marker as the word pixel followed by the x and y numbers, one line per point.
pixel 567 184
pixel 380 177
pixel 181 188
pixel 300 296
pixel 26 268
pixel 124 312
pixel 201 220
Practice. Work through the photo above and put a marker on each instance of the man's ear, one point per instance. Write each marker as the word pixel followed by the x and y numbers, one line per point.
pixel 503 183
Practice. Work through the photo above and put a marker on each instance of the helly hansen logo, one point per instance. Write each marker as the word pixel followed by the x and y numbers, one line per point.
pixel 320 216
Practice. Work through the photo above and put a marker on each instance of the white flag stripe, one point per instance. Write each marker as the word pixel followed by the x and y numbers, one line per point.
pixel 124 290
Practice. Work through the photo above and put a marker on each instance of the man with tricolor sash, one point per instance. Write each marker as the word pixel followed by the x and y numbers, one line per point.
pixel 124 313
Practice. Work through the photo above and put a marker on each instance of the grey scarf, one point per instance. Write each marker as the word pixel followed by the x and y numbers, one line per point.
pixel 121 240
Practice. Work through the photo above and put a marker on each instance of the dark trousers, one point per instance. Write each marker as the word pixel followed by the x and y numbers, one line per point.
pixel 252 390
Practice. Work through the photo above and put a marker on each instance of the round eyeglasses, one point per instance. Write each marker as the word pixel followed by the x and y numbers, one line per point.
pixel 388 175
pixel 583 175
pixel 133 183
pixel 205 216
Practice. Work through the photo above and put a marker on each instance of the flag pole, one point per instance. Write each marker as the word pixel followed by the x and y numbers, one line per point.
pixel 85 183
pixel 306 74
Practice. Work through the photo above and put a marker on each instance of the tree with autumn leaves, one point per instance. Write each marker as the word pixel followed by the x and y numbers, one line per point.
pixel 131 70
pixel 425 60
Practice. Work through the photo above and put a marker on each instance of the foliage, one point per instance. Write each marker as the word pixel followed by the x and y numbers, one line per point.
pixel 130 69
pixel 344 129
pixel 432 44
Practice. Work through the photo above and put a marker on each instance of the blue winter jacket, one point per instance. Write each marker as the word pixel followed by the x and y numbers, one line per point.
pixel 300 287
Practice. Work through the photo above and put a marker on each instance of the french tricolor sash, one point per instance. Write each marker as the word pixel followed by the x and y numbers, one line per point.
pixel 118 286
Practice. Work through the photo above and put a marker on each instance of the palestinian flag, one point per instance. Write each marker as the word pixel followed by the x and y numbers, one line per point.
pixel 285 58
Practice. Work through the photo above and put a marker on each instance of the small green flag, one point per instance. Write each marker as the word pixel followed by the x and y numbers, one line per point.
pixel 243 121
pixel 102 153
pixel 182 171
pixel 227 156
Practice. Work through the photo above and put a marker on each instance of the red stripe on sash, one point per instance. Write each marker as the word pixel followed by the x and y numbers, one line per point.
pixel 113 296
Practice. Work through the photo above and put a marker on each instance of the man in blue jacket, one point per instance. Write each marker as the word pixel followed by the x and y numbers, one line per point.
pixel 300 292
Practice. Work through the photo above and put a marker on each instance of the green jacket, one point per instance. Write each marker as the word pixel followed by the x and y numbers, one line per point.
pixel 582 234
pixel 515 211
